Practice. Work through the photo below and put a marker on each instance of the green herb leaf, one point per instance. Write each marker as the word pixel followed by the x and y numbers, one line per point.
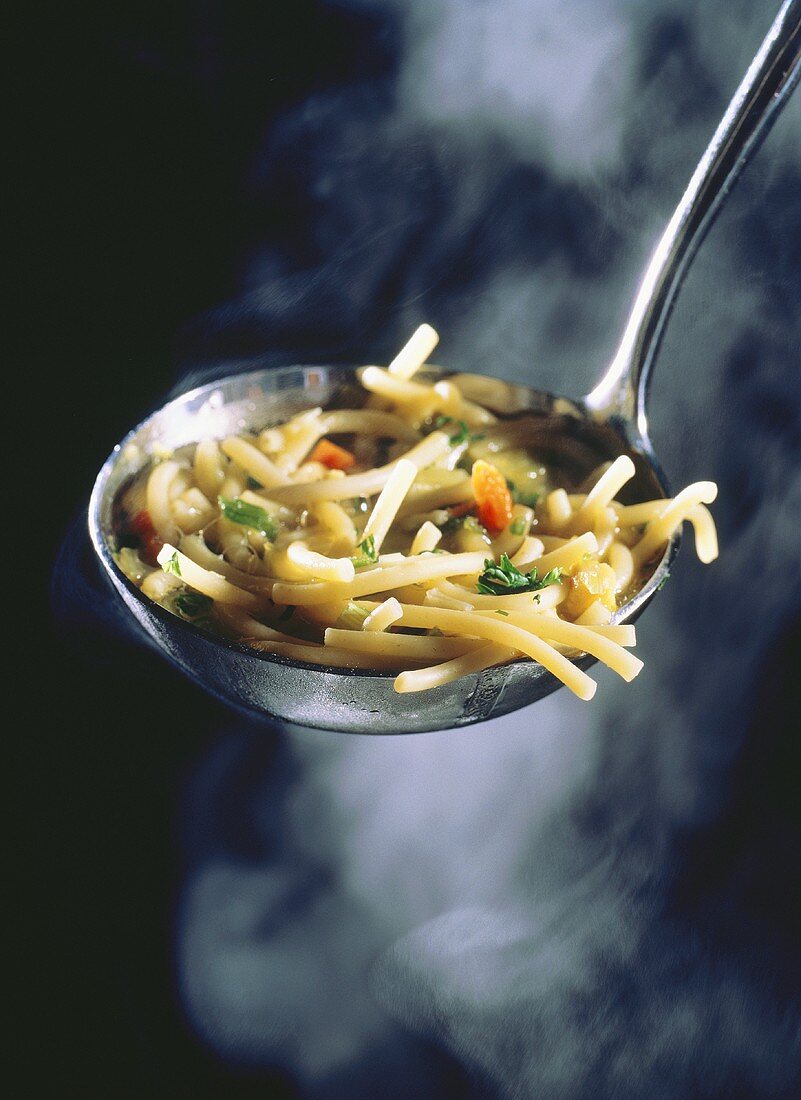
pixel 463 435
pixel 193 605
pixel 506 579
pixel 518 526
pixel 172 565
pixel 468 522
pixel 249 515
pixel 663 582
pixel 521 496
pixel 452 524
pixel 368 553
pixel 504 613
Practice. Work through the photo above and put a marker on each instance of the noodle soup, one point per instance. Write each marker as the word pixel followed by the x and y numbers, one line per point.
pixel 414 531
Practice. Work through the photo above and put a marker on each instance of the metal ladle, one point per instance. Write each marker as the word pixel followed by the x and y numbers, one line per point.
pixel 609 421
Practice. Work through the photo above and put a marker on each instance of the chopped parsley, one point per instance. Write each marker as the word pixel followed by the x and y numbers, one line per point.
pixel 249 515
pixel 506 579
pixel 463 435
pixel 468 523
pixel 193 605
pixel 172 565
pixel 663 582
pixel 504 613
pixel 518 526
pixel 368 555
pixel 520 496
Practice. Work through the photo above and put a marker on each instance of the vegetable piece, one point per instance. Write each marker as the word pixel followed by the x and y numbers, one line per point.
pixel 590 581
pixel 330 455
pixel 492 495
pixel 368 555
pixel 249 515
pixel 194 607
pixel 463 433
pixel 352 617
pixel 142 526
pixel 172 564
pixel 457 517
pixel 521 496
pixel 506 579
pixel 193 604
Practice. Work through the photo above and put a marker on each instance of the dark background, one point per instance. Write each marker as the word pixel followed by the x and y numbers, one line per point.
pixel 144 130
pixel 144 120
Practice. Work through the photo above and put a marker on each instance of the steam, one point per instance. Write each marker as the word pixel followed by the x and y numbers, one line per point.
pixel 551 79
pixel 508 891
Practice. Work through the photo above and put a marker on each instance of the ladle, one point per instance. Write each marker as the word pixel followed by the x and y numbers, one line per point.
pixel 609 421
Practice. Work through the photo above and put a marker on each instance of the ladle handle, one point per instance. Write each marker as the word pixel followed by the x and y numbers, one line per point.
pixel 762 93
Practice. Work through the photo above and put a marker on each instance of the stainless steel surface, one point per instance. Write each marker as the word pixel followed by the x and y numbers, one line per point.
pixel 767 85
pixel 611 420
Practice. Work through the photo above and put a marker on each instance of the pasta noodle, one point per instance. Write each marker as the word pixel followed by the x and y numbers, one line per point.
pixel 384 615
pixel 389 501
pixel 460 552
pixel 414 353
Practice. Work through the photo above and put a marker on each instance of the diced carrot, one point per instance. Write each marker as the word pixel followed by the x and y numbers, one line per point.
pixel 492 496
pixel 330 455
pixel 142 527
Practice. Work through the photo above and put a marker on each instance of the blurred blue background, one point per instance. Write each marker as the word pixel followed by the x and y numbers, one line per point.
pixel 573 901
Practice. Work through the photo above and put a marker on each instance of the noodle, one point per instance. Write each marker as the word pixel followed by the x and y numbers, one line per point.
pixel 426 539
pixel 389 501
pixel 432 566
pixel 367 484
pixel 414 353
pixel 253 462
pixel 380 579
pixel 383 616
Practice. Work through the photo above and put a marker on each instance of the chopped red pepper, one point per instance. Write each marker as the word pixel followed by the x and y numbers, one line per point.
pixel 330 455
pixel 458 510
pixel 150 543
pixel 492 496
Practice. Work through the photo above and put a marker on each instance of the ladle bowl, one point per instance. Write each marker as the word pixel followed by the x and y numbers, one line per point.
pixel 578 434
pixel 342 699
